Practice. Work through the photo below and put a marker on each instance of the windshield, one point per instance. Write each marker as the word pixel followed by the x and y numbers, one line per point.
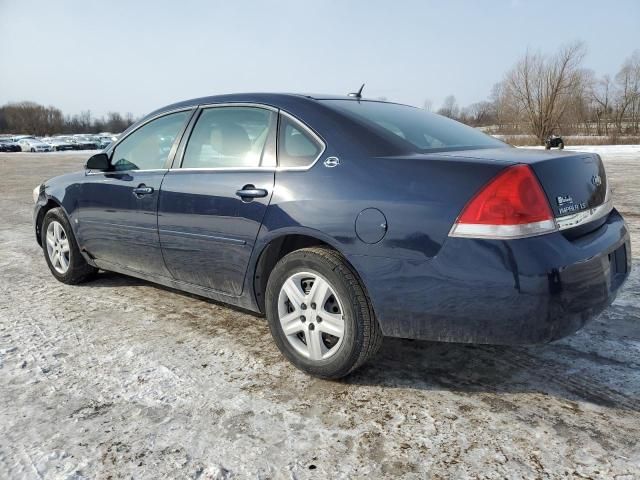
pixel 423 130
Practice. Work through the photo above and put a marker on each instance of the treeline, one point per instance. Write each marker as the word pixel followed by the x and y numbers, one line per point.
pixel 543 94
pixel 34 119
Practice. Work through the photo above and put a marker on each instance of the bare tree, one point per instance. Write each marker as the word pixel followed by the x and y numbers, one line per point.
pixel 601 92
pixel 85 120
pixel 34 119
pixel 115 122
pixel 634 66
pixel 577 116
pixel 31 117
pixel 449 107
pixel 478 114
pixel 427 105
pixel 627 83
pixel 506 109
pixel 542 85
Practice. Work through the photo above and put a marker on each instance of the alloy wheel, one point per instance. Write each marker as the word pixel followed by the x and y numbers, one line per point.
pixel 58 247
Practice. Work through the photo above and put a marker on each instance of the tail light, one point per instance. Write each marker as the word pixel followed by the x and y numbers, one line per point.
pixel 512 205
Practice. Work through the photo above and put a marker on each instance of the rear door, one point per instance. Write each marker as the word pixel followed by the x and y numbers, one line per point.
pixel 212 204
pixel 118 208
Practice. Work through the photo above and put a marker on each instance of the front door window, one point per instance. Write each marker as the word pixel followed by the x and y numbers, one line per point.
pixel 148 147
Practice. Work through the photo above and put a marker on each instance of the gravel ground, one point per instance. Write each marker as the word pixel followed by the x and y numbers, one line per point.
pixel 120 378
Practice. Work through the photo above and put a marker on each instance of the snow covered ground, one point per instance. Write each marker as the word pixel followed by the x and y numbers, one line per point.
pixel 120 378
pixel 606 151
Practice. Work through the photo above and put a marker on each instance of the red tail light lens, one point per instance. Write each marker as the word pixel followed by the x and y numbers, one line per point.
pixel 512 205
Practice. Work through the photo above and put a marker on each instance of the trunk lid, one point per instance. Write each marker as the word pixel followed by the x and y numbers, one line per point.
pixel 572 181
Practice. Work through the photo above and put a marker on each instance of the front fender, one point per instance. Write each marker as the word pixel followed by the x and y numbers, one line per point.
pixel 62 192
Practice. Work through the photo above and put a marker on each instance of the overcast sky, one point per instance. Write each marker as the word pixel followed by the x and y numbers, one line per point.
pixel 135 56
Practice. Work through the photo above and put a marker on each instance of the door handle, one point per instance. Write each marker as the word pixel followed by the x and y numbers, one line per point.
pixel 141 190
pixel 250 191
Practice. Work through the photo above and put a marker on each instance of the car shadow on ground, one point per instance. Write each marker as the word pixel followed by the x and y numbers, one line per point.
pixel 111 280
pixel 556 369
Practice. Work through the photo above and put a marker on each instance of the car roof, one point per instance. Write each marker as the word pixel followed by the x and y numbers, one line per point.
pixel 320 116
pixel 279 100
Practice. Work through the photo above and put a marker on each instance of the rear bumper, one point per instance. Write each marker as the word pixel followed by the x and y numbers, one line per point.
pixel 525 291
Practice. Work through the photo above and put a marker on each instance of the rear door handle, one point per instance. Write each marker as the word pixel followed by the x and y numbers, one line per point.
pixel 249 191
pixel 142 190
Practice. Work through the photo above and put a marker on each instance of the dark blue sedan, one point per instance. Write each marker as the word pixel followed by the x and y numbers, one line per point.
pixel 344 220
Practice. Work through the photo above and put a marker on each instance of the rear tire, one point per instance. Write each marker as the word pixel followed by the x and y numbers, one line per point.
pixel 331 329
pixel 61 250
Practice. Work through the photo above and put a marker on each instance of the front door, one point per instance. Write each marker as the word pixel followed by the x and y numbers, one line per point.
pixel 212 206
pixel 118 208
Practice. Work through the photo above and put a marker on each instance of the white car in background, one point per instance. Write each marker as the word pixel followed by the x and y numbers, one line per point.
pixel 33 145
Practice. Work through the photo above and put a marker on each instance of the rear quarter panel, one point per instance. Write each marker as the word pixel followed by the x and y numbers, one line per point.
pixel 419 196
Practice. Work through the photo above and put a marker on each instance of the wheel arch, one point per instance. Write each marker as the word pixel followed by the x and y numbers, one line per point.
pixel 50 205
pixel 277 247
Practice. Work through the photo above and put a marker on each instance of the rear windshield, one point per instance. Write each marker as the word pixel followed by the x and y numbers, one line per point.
pixel 423 130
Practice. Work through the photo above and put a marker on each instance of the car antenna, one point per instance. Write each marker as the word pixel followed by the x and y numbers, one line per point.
pixel 357 94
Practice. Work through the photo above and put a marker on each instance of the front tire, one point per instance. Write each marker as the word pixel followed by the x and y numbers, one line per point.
pixel 61 249
pixel 319 315
pixel 561 146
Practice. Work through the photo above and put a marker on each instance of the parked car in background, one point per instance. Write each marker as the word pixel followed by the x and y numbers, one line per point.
pixel 103 142
pixel 107 135
pixel 57 144
pixel 84 142
pixel 68 139
pixel 343 220
pixel 9 146
pixel 34 145
pixel 17 138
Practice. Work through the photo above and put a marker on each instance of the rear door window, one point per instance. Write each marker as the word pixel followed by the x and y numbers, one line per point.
pixel 230 137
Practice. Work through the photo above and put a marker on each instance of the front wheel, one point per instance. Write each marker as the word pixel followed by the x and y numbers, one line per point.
pixel 61 249
pixel 319 314
pixel 561 146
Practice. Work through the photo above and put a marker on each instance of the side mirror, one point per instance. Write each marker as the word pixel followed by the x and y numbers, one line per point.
pixel 100 161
